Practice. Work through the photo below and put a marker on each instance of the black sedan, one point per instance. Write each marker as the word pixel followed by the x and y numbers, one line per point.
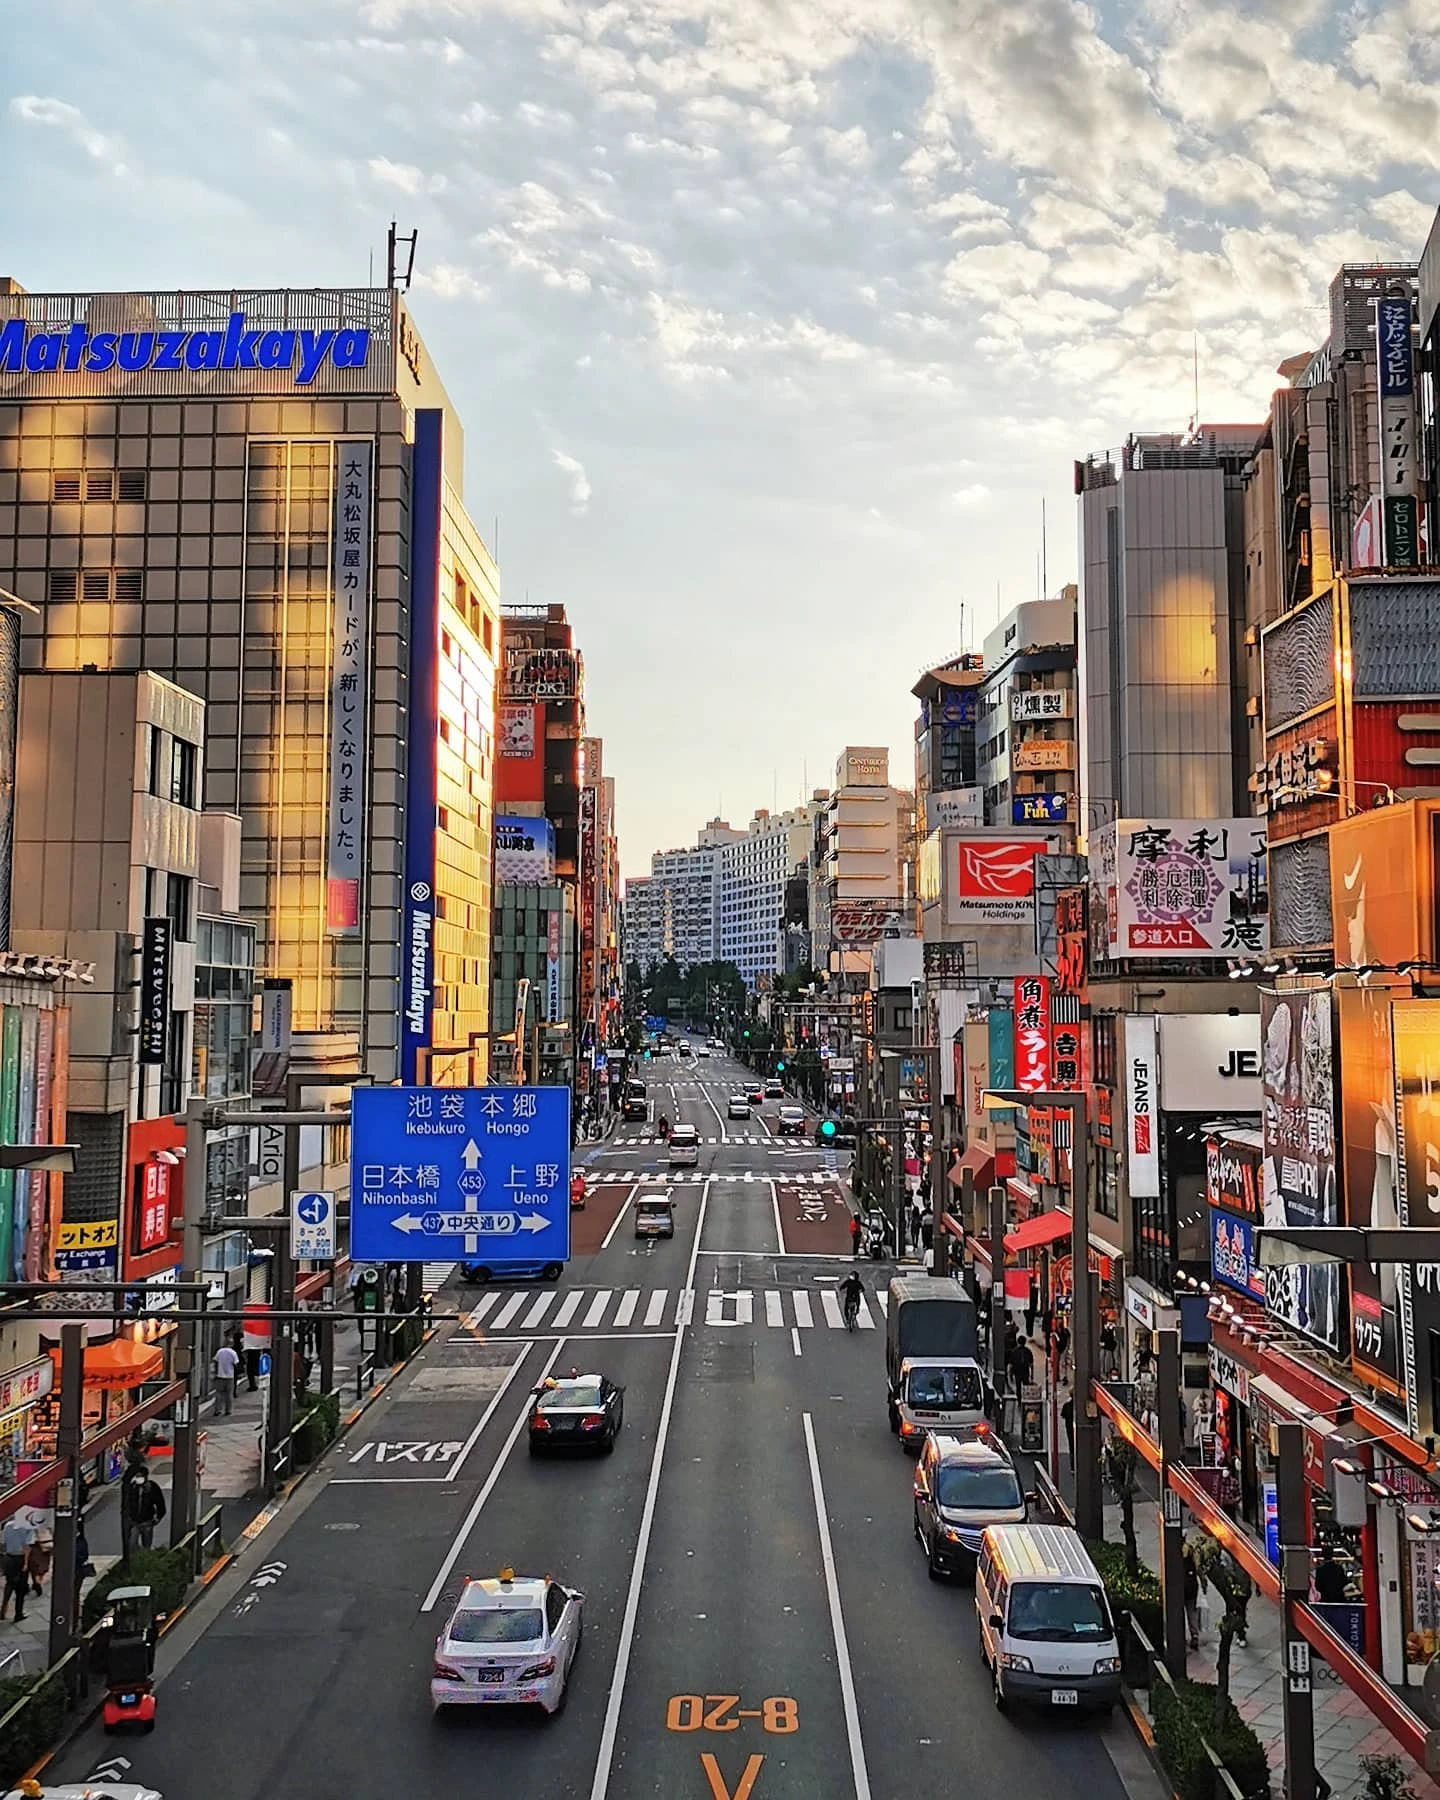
pixel 576 1412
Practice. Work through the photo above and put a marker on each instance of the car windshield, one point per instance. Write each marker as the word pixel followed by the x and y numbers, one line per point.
pixel 978 1489
pixel 497 1625
pixel 948 1388
pixel 1058 1612
pixel 571 1393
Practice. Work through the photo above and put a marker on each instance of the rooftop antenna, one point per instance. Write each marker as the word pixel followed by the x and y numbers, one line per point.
pixel 395 241
pixel 1192 432
pixel 1044 552
pixel 371 281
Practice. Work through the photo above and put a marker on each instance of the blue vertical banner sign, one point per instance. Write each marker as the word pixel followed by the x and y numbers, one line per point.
pixel 479 1174
pixel 417 946
pixel 1399 459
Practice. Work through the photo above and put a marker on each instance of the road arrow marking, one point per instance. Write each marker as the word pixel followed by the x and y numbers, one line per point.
pixel 717 1781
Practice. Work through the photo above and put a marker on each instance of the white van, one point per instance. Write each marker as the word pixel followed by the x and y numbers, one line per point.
pixel 1046 1630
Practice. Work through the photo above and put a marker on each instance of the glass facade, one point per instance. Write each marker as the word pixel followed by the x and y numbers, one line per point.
pixel 224 986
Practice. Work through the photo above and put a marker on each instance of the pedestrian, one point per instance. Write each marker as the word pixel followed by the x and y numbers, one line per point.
pixel 1330 1578
pixel 1021 1363
pixel 855 1234
pixel 1109 1352
pixel 1012 1336
pixel 15 1541
pixel 1062 1340
pixel 1030 1309
pixel 37 1563
pixel 1144 1357
pixel 226 1365
pixel 1192 1594
pixel 142 1507
pixel 1067 1419
pixel 252 1367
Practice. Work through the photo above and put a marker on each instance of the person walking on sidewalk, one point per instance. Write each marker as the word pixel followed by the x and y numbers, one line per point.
pixel 1192 1594
pixel 855 1234
pixel 15 1542
pixel 142 1507
pixel 227 1364
pixel 1067 1419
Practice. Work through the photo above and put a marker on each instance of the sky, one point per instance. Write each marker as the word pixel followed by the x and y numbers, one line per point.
pixel 771 323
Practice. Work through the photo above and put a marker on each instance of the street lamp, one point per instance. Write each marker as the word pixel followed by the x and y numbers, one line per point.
pixel 1089 1497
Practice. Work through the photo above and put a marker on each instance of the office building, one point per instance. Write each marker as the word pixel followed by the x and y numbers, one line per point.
pixel 863 860
pixel 1027 758
pixel 256 496
pixel 1162 626
pixel 754 869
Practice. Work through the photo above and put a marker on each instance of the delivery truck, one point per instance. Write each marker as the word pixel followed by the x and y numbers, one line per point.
pixel 934 1377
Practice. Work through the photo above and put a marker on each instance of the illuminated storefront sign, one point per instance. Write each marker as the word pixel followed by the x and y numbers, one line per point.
pixel 1300 772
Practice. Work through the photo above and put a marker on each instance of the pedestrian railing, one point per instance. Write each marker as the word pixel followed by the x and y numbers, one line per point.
pixel 364 1375
pixel 208 1542
pixel 1160 1693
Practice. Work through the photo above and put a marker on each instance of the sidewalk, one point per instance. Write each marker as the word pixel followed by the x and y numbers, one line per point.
pixel 230 1478
pixel 1345 1728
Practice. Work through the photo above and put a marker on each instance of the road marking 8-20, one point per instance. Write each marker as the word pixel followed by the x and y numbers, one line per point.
pixel 723 1712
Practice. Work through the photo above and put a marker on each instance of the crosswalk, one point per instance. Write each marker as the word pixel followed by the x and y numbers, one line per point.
pixel 434 1275
pixel 503 1313
pixel 676 1177
pixel 733 1137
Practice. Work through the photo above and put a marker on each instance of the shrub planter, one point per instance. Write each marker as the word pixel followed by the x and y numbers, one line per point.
pixel 1184 1722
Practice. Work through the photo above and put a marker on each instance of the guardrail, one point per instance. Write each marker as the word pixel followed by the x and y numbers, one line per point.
pixel 364 1374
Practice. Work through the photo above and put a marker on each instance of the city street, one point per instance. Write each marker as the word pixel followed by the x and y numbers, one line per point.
pixel 758 1617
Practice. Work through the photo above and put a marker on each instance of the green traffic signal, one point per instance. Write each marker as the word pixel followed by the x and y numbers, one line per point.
pixel 747 1034
pixel 827 1128
pixel 780 1067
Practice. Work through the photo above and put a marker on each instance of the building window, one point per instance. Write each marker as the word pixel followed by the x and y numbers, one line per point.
pixel 155 783
pixel 177 1060
pixel 182 772
pixel 177 906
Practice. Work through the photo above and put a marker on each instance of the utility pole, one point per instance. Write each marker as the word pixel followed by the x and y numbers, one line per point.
pixel 1168 1402
pixel 1299 1699
pixel 1085 1292
pixel 997 1292
pixel 65 1579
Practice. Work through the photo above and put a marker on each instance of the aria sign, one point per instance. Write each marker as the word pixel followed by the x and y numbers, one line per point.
pixel 24 350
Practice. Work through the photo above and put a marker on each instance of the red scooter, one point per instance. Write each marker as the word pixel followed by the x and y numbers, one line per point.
pixel 128 1653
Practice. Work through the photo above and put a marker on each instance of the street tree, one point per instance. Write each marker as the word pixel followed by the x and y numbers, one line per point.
pixel 1218 1569
pixel 1118 1466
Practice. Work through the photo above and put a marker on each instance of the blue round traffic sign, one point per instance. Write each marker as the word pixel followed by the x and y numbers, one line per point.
pixel 313 1209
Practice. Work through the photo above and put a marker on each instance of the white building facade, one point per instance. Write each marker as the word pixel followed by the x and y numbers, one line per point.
pixel 754 867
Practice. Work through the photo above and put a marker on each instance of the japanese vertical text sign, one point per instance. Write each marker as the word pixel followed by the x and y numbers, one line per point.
pixel 1395 369
pixel 1032 1032
pixel 417 947
pixel 349 685
pixel 479 1174
pixel 155 991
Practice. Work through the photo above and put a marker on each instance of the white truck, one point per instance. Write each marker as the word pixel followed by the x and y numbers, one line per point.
pixel 934 1377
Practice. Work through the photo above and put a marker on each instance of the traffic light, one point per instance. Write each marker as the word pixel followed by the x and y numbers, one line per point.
pixel 827 1128
pixel 747 1034
pixel 780 1066
pixel 647 1056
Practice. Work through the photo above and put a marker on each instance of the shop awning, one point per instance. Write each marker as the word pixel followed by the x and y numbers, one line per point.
pixel 1044 1228
pixel 122 1363
pixel 981 1164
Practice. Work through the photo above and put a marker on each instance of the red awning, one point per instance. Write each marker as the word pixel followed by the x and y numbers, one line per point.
pixel 1044 1228
pixel 981 1164
pixel 119 1364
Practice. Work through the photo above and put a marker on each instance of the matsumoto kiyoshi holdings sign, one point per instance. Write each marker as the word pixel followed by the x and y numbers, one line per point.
pixel 29 349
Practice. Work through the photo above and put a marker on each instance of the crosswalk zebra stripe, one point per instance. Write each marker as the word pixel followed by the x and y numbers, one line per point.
pixel 508 1311
pixel 625 1312
pixel 866 1322
pixel 538 1311
pixel 596 1310
pixel 655 1309
pixel 483 1306
pixel 830 1302
pixel 802 1310
pixel 773 1313
pixel 569 1306
pixel 882 1300
pixel 434 1275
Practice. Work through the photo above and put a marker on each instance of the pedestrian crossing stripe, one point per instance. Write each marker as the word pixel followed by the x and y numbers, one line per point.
pixel 434 1275
pixel 611 1309
pixel 676 1177
pixel 735 1137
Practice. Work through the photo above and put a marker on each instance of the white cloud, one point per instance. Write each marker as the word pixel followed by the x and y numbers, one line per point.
pixel 38 109
pixel 579 481
pixel 973 497
pixel 405 177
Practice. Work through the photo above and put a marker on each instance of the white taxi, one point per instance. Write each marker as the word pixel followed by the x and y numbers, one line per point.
pixel 510 1641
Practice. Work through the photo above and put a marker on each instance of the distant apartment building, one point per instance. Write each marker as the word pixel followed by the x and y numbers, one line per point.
pixel 946 744
pixel 754 869
pixel 1027 761
pixel 863 860
pixel 675 914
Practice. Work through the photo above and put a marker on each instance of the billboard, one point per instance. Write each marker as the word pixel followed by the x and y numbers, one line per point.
pixel 1032 1032
pixel 1415 1042
pixel 520 759
pixel 1399 460
pixel 1039 703
pixel 1382 886
pixel 1142 1123
pixel 1187 888
pixel 524 850
pixel 1233 1176
pixel 1367 1150
pixel 349 685
pixel 864 921
pixel 955 806
pixel 417 947
pixel 539 674
pixel 1298 1176
pixel 1040 809
pixel 993 880
pixel 1234 1262
pixel 1043 753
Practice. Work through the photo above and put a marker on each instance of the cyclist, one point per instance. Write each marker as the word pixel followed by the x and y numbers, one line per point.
pixel 662 1125
pixel 852 1291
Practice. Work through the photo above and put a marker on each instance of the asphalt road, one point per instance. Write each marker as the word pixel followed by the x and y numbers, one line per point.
pixel 758 1623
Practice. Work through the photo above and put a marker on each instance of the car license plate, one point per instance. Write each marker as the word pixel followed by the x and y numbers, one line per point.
pixel 1064 1697
pixel 128 1699
pixel 490 1677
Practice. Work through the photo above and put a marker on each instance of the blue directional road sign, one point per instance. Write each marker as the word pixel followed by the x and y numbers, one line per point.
pixel 460 1174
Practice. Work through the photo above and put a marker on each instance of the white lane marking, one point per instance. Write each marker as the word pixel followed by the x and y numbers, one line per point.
pixel 866 1322
pixel 508 1311
pixel 830 1303
pixel 774 1314
pixel 801 1303
pixel 775 1209
pixel 605 1756
pixel 837 1621
pixel 625 1312
pixel 486 1302
pixel 596 1310
pixel 882 1300
pixel 795 1339
pixel 467 1524
pixel 685 1310
pixel 453 1471
pixel 656 1308
pixel 705 1095
pixel 569 1306
pixel 538 1311
pixel 624 1208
